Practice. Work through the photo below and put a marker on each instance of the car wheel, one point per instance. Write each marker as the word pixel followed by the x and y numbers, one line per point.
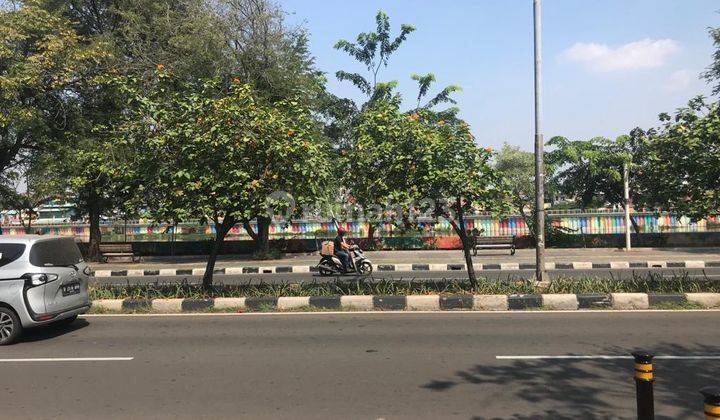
pixel 10 327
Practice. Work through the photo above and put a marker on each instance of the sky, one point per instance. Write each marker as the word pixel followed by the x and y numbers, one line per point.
pixel 608 66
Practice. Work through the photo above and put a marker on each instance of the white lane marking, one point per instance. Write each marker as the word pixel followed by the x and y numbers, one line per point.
pixel 69 359
pixel 604 357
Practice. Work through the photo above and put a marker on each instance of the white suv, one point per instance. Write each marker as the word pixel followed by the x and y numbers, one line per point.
pixel 43 279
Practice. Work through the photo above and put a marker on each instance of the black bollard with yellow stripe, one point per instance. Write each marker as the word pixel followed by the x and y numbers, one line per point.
pixel 644 385
pixel 712 402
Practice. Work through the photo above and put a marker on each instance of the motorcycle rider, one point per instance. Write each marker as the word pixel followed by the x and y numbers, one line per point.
pixel 342 249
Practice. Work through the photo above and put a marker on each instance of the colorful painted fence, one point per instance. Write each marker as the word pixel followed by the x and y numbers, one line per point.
pixel 581 223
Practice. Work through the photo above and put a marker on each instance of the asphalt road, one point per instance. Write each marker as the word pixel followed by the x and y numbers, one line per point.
pixel 597 255
pixel 359 366
pixel 706 273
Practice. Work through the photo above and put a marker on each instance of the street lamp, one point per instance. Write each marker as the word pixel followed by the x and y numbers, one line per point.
pixel 539 151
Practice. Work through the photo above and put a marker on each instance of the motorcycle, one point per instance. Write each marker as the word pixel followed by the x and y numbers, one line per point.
pixel 359 264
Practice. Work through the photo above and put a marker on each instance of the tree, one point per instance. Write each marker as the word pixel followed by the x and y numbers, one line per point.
pixel 679 167
pixel 373 50
pixel 712 74
pixel 217 154
pixel 427 164
pixel 43 61
pixel 425 81
pixel 192 39
pixel 588 170
pixel 266 53
pixel 275 60
pixel 458 178
pixel 517 168
pixel 41 187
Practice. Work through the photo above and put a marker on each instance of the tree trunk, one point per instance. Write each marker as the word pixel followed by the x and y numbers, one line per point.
pixel 95 233
pixel 459 228
pixel 263 235
pixel 249 229
pixel 221 231
pixel 371 236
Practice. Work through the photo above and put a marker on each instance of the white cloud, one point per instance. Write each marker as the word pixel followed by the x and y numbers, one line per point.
pixel 679 80
pixel 644 54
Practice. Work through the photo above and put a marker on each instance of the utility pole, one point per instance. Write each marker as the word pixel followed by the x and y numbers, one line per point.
pixel 539 152
pixel 626 196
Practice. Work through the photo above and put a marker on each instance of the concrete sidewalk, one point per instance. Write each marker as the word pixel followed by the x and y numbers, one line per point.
pixel 523 256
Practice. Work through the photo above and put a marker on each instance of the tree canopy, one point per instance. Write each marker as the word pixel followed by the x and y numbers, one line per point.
pixel 679 163
pixel 588 170
pixel 216 154
pixel 44 64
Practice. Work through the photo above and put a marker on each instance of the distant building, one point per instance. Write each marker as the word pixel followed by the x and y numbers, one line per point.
pixel 53 212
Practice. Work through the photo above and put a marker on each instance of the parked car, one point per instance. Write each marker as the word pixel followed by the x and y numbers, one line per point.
pixel 43 280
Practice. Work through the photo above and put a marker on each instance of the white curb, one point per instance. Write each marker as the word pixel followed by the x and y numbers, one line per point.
pixel 403 267
pixel 293 302
pixel 629 300
pixel 167 272
pixel 708 300
pixel 359 302
pixel 694 264
pixel 563 302
pixel 582 265
pixel 167 305
pixel 103 273
pixel 228 303
pixel 490 302
pixel 619 264
pixel 423 303
pixel 109 304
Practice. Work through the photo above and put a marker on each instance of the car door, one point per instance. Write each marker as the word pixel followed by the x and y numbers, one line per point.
pixel 61 260
pixel 68 292
pixel 13 269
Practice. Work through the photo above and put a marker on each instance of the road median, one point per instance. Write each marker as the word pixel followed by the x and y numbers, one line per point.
pixel 467 302
pixel 416 267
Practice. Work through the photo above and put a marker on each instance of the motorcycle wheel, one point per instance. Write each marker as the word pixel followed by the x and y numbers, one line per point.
pixel 365 268
pixel 324 270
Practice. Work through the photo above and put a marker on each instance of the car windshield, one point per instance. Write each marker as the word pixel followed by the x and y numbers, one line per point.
pixel 57 252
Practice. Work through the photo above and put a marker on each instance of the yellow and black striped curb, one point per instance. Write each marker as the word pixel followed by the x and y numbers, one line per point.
pixel 568 302
pixel 280 269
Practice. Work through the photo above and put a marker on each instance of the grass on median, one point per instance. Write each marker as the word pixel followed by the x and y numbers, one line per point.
pixel 650 283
